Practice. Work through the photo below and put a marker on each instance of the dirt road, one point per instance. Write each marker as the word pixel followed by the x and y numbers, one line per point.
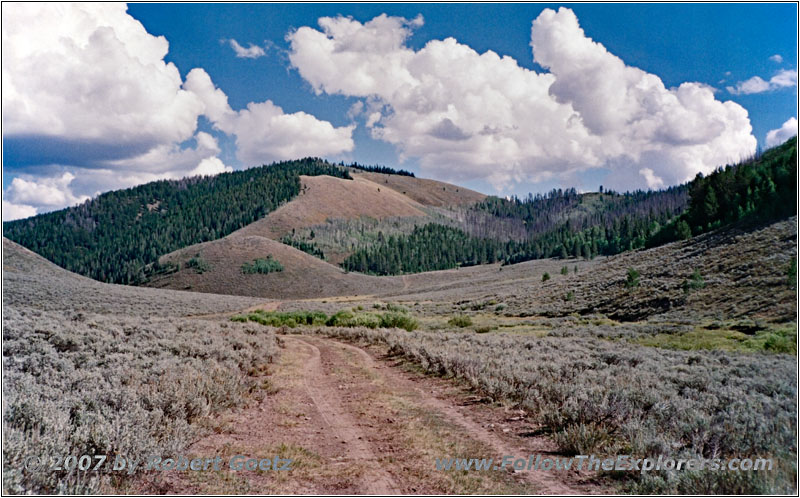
pixel 355 423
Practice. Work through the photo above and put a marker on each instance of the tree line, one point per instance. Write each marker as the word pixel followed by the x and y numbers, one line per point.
pixel 564 224
pixel 760 190
pixel 118 236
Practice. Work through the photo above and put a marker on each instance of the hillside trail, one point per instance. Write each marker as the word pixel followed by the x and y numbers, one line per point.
pixel 355 423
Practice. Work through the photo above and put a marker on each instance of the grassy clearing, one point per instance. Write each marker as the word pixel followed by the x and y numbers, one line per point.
pixel 782 339
pixel 343 318
pixel 594 396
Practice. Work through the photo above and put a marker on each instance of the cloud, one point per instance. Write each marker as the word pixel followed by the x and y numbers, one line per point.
pixel 23 196
pixel 251 52
pixel 783 79
pixel 782 134
pixel 776 58
pixel 653 181
pixel 264 132
pixel 90 105
pixel 469 116
pixel 90 73
pixel 17 211
pixel 210 166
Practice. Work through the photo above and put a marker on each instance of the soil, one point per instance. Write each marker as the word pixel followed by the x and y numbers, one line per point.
pixel 357 421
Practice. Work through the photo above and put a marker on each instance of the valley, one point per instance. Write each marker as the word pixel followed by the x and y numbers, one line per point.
pixel 254 344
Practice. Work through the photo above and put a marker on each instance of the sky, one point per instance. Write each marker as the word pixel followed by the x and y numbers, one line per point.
pixel 502 98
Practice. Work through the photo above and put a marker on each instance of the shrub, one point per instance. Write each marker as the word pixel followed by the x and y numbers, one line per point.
pixel 570 296
pixel 460 321
pixel 198 264
pixel 564 270
pixel 399 320
pixel 632 279
pixel 682 230
pixel 545 277
pixel 583 439
pixel 262 265
pixel 791 274
pixel 693 283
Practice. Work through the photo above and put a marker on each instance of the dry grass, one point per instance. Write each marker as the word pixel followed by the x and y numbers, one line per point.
pixel 326 197
pixel 594 396
pixel 100 369
pixel 426 192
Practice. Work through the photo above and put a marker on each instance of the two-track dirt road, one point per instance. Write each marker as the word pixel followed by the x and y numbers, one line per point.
pixel 355 424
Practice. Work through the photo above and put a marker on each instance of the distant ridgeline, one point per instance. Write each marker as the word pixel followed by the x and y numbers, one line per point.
pixel 760 190
pixel 565 224
pixel 379 169
pixel 119 236
pixel 559 224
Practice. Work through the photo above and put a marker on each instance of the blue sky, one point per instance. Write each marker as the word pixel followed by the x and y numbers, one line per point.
pixel 532 147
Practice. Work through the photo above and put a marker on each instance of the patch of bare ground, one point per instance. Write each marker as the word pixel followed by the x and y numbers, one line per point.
pixel 426 192
pixel 354 424
pixel 324 197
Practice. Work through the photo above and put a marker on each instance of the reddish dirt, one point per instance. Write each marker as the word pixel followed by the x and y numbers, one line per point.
pixel 355 423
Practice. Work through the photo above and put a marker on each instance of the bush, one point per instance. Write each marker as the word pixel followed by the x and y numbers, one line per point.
pixel 791 274
pixel 693 283
pixel 564 270
pixel 570 296
pixel 343 318
pixel 632 279
pixel 262 265
pixel 198 264
pixel 583 439
pixel 545 277
pixel 460 321
pixel 399 320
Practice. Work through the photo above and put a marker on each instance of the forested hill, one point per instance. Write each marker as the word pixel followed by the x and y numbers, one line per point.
pixel 761 190
pixel 559 224
pixel 565 224
pixel 118 236
pixel 540 214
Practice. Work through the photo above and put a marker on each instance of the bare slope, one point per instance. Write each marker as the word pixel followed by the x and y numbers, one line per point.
pixel 303 275
pixel 326 197
pixel 426 192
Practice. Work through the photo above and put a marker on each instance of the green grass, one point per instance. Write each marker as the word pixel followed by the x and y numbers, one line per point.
pixel 775 340
pixel 344 318
pixel 460 321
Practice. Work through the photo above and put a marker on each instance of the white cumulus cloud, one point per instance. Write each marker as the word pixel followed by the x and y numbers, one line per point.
pixel 264 132
pixel 777 58
pixel 783 79
pixel 782 134
pixel 251 52
pixel 90 104
pixel 467 115
pixel 13 211
pixel 90 72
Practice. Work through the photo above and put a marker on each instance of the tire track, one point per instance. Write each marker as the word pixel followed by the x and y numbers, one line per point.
pixel 374 480
pixel 545 482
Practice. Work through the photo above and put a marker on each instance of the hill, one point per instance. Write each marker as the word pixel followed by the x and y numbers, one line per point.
pixel 117 235
pixel 325 197
pixel 426 192
pixel 303 275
